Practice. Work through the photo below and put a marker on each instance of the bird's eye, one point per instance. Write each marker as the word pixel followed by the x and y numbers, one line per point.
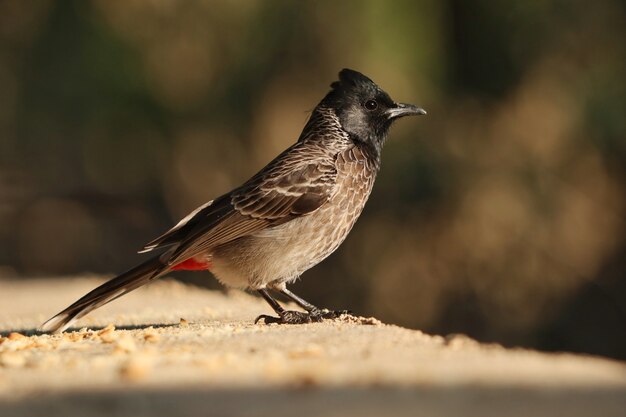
pixel 371 105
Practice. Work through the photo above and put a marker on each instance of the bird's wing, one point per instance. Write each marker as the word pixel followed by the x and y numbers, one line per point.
pixel 174 235
pixel 296 183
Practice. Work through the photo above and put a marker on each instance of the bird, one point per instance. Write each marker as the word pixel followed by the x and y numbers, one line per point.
pixel 284 220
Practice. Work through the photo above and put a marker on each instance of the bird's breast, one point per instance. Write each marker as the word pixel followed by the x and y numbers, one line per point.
pixel 281 253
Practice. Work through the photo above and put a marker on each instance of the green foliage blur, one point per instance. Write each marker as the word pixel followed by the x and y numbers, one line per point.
pixel 501 214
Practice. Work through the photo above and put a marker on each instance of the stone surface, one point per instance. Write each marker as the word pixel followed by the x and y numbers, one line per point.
pixel 176 349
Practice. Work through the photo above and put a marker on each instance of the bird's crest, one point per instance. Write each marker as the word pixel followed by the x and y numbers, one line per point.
pixel 349 79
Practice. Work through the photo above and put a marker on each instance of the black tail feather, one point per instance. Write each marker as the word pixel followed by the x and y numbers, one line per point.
pixel 105 293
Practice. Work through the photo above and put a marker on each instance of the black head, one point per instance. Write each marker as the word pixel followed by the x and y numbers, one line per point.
pixel 364 110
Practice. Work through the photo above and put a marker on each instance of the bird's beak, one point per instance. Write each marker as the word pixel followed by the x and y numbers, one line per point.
pixel 402 109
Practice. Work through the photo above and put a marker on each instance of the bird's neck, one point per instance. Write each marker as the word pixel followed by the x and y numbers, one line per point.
pixel 324 126
pixel 371 152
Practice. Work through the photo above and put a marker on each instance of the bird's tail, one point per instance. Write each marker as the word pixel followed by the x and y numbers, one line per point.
pixel 105 293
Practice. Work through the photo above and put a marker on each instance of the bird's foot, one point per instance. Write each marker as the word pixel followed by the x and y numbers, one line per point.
pixel 325 314
pixel 300 317
pixel 286 317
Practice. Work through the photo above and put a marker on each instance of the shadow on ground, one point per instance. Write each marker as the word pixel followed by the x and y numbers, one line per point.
pixel 309 401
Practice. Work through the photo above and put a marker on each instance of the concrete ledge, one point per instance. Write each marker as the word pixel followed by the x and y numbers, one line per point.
pixel 217 362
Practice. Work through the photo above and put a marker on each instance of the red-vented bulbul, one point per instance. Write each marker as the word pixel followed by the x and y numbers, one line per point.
pixel 287 218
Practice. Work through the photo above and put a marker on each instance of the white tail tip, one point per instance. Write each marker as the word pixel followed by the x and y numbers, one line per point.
pixel 56 324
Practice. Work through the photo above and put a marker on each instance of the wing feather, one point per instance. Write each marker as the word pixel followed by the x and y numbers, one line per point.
pixel 296 183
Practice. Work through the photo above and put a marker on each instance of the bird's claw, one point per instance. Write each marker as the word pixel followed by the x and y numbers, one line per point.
pixel 286 317
pixel 325 314
pixel 299 317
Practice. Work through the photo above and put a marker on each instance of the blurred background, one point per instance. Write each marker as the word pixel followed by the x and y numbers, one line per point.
pixel 501 214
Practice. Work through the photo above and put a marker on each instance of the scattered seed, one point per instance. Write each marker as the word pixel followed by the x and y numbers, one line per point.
pixel 151 337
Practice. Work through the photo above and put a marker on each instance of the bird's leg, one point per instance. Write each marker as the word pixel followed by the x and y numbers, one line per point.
pixel 296 299
pixel 273 303
pixel 313 313
pixel 316 313
pixel 284 316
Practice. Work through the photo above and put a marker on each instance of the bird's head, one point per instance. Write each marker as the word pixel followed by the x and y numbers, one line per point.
pixel 364 110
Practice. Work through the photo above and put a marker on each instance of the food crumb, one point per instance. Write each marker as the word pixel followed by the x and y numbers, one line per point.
pixel 108 334
pixel 151 336
pixel 183 322
pixel 74 336
pixel 108 329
